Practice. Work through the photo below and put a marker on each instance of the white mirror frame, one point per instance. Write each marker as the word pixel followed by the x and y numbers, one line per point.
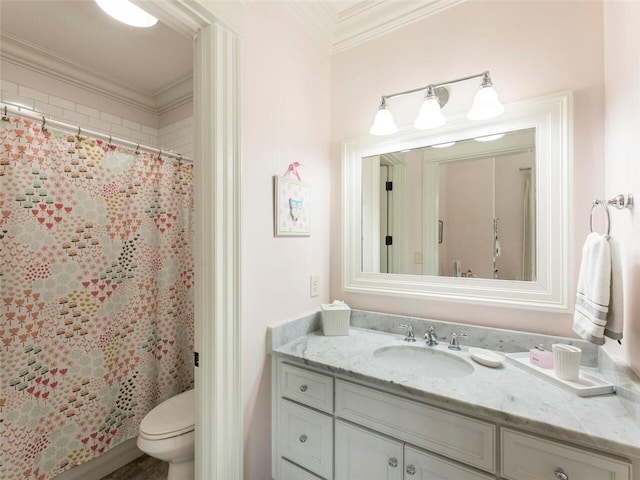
pixel 551 116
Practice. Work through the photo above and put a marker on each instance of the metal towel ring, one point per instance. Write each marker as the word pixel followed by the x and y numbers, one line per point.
pixel 596 203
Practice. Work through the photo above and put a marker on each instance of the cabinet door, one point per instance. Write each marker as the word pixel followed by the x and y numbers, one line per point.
pixel 363 455
pixel 529 457
pixel 294 472
pixel 421 465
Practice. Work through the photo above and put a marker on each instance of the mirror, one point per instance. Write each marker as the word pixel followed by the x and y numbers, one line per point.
pixel 472 200
pixel 482 222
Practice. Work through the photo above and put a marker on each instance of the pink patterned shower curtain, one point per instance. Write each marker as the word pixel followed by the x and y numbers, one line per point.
pixel 96 292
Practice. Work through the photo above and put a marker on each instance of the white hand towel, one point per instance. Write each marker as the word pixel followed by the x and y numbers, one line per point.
pixel 594 284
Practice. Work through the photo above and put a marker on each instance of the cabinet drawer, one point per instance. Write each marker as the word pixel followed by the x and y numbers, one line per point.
pixel 310 388
pixel 455 436
pixel 294 472
pixel 363 455
pixel 527 457
pixel 306 438
pixel 424 466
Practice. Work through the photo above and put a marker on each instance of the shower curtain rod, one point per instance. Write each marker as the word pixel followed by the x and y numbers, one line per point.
pixel 33 115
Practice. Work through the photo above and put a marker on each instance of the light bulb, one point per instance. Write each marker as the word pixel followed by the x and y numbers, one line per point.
pixel 383 123
pixel 126 12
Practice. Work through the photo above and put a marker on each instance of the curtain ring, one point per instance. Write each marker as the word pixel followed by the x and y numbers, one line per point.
pixel 159 154
pixel 79 132
pixel 109 144
pixel 604 205
pixel 5 117
pixel 44 124
pixel 179 158
pixel 137 152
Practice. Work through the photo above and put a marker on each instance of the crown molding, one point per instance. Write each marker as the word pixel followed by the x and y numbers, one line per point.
pixel 366 20
pixel 17 51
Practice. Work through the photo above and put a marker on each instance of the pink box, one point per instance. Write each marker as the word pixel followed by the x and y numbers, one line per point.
pixel 541 358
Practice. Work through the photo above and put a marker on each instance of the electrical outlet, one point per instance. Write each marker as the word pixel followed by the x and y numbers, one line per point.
pixel 314 285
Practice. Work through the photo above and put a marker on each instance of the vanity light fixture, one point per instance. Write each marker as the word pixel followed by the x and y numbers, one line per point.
pixel 485 105
pixel 126 12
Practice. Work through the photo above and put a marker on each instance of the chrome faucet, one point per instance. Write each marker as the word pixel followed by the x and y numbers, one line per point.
pixel 454 343
pixel 431 337
pixel 410 337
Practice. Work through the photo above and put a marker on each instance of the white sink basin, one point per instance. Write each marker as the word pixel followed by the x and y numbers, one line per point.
pixel 423 361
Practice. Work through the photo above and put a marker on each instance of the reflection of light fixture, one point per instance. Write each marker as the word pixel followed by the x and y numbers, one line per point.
pixel 126 12
pixel 489 138
pixel 444 145
pixel 383 124
pixel 485 105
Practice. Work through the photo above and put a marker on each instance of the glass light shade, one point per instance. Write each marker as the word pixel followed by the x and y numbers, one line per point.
pixel 485 104
pixel 126 12
pixel 383 124
pixel 430 115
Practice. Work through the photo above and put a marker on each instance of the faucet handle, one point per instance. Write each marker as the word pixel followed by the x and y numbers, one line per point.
pixel 454 343
pixel 410 337
pixel 431 337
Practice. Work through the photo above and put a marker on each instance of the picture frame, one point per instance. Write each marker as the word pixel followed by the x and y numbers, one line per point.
pixel 291 207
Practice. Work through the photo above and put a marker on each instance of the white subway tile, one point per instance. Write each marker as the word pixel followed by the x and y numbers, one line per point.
pixel 9 86
pixel 79 118
pixel 97 124
pixel 61 102
pixel 131 125
pixel 110 118
pixel 123 132
pixel 17 100
pixel 149 130
pixel 49 110
pixel 88 111
pixel 31 93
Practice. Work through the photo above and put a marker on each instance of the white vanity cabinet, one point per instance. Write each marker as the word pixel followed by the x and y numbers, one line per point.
pixel 333 429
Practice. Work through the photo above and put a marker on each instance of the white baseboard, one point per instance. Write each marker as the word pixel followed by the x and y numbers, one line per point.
pixel 103 465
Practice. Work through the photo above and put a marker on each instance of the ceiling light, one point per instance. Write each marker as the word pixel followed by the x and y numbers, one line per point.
pixel 383 123
pixel 489 138
pixel 444 145
pixel 126 12
pixel 485 105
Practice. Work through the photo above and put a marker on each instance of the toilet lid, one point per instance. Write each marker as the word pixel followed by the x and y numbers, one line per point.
pixel 171 418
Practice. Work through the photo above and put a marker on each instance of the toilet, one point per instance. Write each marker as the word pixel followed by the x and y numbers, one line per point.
pixel 167 433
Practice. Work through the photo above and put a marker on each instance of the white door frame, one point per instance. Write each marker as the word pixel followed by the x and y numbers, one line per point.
pixel 216 100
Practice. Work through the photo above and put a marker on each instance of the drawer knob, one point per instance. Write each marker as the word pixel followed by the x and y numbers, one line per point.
pixel 303 438
pixel 560 475
pixel 393 462
pixel 303 388
pixel 411 470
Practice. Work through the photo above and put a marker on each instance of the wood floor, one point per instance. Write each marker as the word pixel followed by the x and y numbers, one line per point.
pixel 142 468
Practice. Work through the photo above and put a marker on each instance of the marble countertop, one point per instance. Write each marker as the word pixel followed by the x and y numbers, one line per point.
pixel 507 393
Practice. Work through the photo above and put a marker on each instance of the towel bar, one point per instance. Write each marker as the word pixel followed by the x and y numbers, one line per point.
pixel 593 206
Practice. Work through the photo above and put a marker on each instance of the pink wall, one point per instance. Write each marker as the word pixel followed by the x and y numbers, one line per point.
pixel 531 51
pixel 285 118
pixel 622 157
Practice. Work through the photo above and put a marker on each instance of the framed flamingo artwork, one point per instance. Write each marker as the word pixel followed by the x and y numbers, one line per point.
pixel 291 209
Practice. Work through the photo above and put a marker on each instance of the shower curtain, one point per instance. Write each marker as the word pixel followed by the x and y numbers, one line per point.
pixel 96 285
